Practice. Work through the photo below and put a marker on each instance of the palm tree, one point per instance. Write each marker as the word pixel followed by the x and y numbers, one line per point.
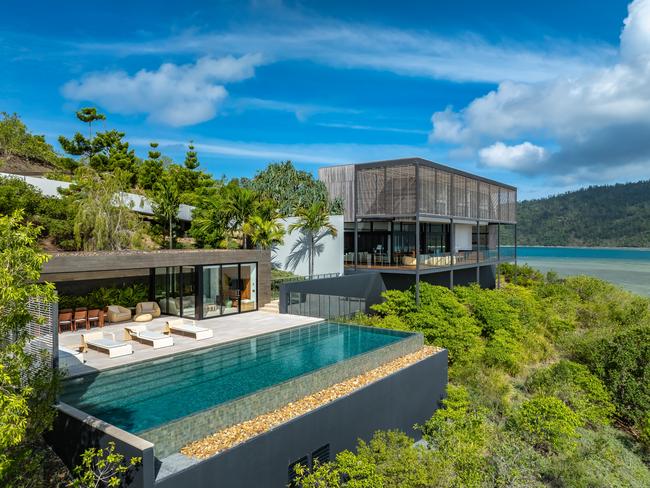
pixel 240 204
pixel 262 232
pixel 314 222
pixel 165 202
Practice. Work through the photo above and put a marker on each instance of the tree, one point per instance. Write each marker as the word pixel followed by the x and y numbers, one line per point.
pixel 240 204
pixel 151 169
pixel 165 201
pixel 90 115
pixel 191 160
pixel 16 140
pixel 314 223
pixel 104 219
pixel 291 189
pixel 262 232
pixel 28 385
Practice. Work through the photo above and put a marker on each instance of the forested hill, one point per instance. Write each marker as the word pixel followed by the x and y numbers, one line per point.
pixel 612 215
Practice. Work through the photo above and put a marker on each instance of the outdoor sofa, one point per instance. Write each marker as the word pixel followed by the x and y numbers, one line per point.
pixel 150 308
pixel 117 313
pixel 105 342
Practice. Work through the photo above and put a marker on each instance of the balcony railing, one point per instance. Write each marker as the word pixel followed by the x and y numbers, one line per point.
pixel 407 261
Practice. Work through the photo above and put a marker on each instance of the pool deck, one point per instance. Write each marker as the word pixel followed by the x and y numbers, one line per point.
pixel 225 329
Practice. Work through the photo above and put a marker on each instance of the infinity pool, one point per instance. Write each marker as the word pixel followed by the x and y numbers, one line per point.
pixel 146 395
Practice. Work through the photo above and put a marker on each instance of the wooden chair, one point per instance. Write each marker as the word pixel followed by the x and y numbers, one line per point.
pixel 95 317
pixel 65 320
pixel 80 317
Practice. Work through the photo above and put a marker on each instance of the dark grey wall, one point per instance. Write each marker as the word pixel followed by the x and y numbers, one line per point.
pixel 398 401
pixel 74 431
pixel 368 286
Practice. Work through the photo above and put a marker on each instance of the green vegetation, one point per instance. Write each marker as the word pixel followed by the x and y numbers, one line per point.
pixel 127 296
pixel 28 385
pixel 102 467
pixel 611 215
pixel 95 215
pixel 540 373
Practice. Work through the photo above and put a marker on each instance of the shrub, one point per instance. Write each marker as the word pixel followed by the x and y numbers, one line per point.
pixel 525 275
pixel 583 392
pixel 504 351
pixel 546 423
pixel 458 436
pixel 491 310
pixel 621 359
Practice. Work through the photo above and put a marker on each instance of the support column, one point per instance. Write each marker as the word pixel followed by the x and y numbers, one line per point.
pixel 417 234
pixel 452 245
pixel 478 253
pixel 498 255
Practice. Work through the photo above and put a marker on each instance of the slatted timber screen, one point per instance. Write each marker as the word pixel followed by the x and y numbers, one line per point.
pixel 43 329
pixel 339 181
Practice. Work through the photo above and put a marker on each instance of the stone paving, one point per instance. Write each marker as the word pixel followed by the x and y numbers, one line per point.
pixel 225 329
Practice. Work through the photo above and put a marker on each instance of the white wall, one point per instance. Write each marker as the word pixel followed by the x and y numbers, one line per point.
pixel 463 237
pixel 292 257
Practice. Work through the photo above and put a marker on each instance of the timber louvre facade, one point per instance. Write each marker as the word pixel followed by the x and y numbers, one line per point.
pixel 413 216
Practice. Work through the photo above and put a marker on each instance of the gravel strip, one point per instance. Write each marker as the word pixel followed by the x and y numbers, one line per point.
pixel 236 434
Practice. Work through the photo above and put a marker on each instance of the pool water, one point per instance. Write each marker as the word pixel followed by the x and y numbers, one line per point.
pixel 146 395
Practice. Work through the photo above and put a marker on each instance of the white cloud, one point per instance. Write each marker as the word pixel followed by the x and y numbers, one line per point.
pixel 598 120
pixel 173 94
pixel 517 157
pixel 463 57
pixel 302 111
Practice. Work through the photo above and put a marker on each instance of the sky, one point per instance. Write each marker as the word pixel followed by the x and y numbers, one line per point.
pixel 547 96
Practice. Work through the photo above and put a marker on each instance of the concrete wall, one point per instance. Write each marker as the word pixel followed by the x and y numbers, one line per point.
pixel 398 401
pixel 293 254
pixel 75 431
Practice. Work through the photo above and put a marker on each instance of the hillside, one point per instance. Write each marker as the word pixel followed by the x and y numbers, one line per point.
pixel 611 215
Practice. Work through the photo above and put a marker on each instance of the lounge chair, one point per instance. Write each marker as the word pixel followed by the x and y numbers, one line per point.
pixel 105 342
pixel 117 313
pixel 151 308
pixel 143 335
pixel 178 326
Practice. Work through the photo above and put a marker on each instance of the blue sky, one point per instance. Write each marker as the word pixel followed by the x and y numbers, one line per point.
pixel 548 96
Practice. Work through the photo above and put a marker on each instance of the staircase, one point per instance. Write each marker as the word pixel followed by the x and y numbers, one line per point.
pixel 272 307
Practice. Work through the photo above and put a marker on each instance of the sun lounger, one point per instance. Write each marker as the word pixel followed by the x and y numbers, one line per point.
pixel 191 330
pixel 152 338
pixel 105 342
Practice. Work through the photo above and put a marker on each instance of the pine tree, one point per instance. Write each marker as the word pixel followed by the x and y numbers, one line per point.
pixel 191 159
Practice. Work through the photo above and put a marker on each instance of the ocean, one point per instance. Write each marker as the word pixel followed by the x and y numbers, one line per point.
pixel 626 267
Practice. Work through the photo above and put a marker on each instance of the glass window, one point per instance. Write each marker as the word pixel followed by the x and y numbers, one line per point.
pixel 229 289
pixel 248 283
pixel 211 294
pixel 189 292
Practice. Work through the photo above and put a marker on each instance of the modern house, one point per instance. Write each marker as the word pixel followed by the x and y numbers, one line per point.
pixel 194 284
pixel 411 220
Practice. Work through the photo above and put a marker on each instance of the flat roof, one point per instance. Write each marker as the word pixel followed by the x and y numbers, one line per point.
pixel 77 262
pixel 417 160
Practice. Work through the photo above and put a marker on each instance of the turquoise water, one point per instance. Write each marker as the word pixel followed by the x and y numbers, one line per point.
pixel 628 268
pixel 142 396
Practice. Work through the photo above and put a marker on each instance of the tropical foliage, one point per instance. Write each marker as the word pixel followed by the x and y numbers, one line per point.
pixel 314 223
pixel 28 385
pixel 127 296
pixel 540 372
pixel 103 467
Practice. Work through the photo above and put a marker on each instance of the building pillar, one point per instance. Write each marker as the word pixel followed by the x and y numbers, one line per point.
pixel 452 245
pixel 417 234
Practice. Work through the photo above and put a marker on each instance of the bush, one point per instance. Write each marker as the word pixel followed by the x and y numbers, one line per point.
pixel 525 275
pixel 504 351
pixel 621 359
pixel 584 393
pixel 546 423
pixel 127 296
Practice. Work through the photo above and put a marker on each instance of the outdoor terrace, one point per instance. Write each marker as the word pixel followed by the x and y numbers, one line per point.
pixel 225 329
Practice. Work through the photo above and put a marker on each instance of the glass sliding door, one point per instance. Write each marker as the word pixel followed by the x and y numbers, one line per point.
pixel 248 287
pixel 211 291
pixel 229 289
pixel 189 292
